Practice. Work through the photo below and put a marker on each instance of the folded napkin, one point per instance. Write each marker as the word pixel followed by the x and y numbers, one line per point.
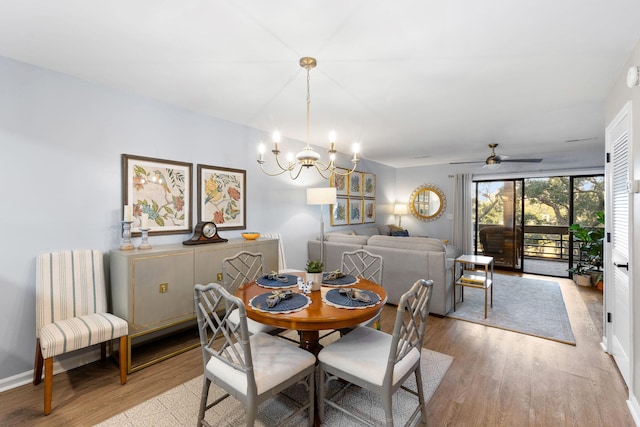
pixel 355 294
pixel 275 276
pixel 337 274
pixel 276 297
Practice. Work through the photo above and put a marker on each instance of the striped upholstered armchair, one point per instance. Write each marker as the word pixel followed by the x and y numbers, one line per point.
pixel 71 312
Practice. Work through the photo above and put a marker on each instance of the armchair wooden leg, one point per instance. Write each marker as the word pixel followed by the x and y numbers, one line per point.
pixel 103 351
pixel 37 364
pixel 48 384
pixel 123 350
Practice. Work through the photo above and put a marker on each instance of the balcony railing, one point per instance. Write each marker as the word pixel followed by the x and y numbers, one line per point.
pixel 548 242
pixel 540 241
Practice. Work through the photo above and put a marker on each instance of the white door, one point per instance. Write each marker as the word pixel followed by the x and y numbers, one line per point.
pixel 618 216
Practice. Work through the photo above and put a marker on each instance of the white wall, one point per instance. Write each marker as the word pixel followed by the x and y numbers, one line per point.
pixel 61 141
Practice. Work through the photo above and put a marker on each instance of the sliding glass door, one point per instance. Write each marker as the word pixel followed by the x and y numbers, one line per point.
pixel 524 223
pixel 498 220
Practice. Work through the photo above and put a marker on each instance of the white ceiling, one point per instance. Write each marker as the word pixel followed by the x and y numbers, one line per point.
pixel 416 82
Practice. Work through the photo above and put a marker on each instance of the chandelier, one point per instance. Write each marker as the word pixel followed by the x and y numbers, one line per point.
pixel 307 158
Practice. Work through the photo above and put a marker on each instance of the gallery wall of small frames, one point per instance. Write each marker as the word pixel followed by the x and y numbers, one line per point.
pixel 356 202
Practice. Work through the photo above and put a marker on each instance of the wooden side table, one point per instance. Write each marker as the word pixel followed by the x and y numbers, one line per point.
pixel 474 279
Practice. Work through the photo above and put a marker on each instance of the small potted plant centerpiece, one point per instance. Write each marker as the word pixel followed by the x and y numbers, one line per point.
pixel 314 273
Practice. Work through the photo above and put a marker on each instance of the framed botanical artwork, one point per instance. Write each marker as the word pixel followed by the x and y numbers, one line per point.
pixel 340 182
pixel 355 184
pixel 368 184
pixel 355 211
pixel 222 197
pixel 159 191
pixel 369 210
pixel 339 214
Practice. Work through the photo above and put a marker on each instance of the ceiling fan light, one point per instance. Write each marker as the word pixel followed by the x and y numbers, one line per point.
pixel 492 165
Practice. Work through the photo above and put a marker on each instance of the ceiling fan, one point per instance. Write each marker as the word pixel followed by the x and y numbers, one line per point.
pixel 494 161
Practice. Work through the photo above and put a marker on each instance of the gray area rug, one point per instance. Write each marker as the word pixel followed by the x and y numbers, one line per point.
pixel 529 306
pixel 179 406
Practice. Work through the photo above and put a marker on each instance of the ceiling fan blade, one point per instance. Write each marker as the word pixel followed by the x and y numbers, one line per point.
pixel 522 160
pixel 464 163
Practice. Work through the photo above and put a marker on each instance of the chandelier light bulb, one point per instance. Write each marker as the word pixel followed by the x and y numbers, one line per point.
pixel 276 136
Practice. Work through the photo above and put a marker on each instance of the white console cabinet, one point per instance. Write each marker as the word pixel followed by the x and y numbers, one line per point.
pixel 153 289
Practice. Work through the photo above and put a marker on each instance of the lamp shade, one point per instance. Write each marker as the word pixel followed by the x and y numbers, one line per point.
pixel 321 196
pixel 400 209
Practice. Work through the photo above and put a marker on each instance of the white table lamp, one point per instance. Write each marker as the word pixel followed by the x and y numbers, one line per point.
pixel 400 209
pixel 321 196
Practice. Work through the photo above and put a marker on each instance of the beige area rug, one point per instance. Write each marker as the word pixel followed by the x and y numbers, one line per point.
pixel 179 406
pixel 529 306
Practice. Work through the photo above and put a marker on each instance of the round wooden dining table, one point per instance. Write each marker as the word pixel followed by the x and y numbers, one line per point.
pixel 317 316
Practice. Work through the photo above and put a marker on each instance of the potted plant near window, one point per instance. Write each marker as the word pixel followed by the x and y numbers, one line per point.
pixel 591 245
pixel 314 273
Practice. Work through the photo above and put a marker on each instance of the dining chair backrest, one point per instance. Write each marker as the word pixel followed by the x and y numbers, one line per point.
pixel 241 268
pixel 214 304
pixel 364 264
pixel 410 324
pixel 69 284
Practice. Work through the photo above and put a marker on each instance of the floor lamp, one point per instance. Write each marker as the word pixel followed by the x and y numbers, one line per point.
pixel 321 196
pixel 400 209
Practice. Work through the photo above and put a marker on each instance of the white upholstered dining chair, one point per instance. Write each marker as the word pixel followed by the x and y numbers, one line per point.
pixel 250 367
pixel 241 268
pixel 364 264
pixel 71 312
pixel 380 362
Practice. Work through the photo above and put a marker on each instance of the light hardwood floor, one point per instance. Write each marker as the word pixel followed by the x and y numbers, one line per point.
pixel 498 378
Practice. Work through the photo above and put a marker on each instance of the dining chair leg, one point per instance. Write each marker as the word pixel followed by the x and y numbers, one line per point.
pixel 37 364
pixel 48 384
pixel 203 399
pixel 311 396
pixel 123 359
pixel 321 394
pixel 421 402
pixel 388 409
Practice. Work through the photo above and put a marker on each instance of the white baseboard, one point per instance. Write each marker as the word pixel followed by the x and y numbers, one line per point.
pixel 634 408
pixel 603 345
pixel 62 364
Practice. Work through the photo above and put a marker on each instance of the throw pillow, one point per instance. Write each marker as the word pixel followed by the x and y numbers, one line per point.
pixel 395 228
pixel 403 233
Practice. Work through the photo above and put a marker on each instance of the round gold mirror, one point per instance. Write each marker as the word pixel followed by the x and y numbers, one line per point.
pixel 427 202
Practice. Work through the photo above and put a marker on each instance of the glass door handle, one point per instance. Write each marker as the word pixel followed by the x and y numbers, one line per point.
pixel 626 266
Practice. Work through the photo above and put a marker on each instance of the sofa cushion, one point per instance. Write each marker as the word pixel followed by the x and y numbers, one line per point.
pixel 370 230
pixel 384 229
pixel 411 243
pixel 344 232
pixel 350 240
pixel 393 228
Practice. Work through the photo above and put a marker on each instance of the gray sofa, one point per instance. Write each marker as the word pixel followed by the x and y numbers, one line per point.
pixel 406 259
